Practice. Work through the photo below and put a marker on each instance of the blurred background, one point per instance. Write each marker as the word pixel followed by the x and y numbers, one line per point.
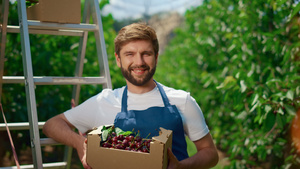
pixel 239 59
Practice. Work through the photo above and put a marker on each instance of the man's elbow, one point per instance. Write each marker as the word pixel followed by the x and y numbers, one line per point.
pixel 51 125
pixel 215 158
pixel 46 128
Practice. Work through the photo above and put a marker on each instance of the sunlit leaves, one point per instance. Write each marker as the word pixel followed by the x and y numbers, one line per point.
pixel 243 69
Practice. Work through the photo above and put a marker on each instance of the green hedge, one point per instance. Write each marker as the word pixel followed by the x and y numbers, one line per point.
pixel 240 60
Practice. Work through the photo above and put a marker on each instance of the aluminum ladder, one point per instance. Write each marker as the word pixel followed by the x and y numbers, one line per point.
pixel 26 27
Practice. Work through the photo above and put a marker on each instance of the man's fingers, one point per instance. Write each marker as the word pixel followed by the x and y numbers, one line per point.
pixel 87 166
pixel 171 156
pixel 173 162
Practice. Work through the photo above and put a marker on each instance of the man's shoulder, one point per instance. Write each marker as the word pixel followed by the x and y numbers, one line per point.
pixel 170 91
pixel 109 93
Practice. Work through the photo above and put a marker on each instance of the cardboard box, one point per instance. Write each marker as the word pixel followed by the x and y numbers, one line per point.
pixel 108 158
pixel 60 11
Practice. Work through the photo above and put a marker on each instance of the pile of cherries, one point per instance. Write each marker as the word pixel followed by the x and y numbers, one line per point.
pixel 131 142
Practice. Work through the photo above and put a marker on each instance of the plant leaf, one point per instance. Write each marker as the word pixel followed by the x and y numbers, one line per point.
pixel 104 135
pixel 255 99
pixel 243 86
pixel 126 133
pixel 290 94
pixel 295 10
pixel 118 131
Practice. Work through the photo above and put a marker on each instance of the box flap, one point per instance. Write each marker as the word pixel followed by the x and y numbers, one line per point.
pixel 163 135
pixel 96 131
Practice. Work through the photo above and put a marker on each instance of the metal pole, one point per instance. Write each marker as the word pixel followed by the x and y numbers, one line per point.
pixel 29 87
pixel 81 52
pixel 100 42
pixel 3 25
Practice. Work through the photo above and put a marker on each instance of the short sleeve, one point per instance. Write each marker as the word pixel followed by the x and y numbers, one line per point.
pixel 196 127
pixel 83 115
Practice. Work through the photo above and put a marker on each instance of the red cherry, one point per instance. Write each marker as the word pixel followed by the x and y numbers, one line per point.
pixel 132 145
pixel 138 145
pixel 115 139
pixel 119 146
pixel 130 137
pixel 128 148
pixel 145 150
pixel 138 138
pixel 125 142
pixel 121 137
pixel 113 134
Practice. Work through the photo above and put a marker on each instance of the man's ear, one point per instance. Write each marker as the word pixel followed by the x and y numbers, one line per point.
pixel 118 59
pixel 156 59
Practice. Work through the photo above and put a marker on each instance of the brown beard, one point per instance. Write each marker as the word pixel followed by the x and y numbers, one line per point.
pixel 131 79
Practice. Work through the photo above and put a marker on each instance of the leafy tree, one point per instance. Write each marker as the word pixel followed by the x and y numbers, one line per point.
pixel 240 60
pixel 51 56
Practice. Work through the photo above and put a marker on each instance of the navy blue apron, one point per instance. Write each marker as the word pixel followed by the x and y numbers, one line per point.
pixel 150 120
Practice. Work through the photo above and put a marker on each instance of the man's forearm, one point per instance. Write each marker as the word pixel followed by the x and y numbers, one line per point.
pixel 205 158
pixel 62 131
pixel 59 130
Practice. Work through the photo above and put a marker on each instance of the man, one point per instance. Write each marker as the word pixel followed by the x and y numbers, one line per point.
pixel 143 105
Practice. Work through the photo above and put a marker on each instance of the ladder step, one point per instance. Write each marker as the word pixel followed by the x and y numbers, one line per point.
pixel 19 126
pixel 43 80
pixel 55 165
pixel 57 26
pixel 48 141
pixel 16 29
pixel 25 126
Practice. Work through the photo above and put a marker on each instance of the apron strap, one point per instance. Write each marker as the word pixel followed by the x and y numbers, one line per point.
pixel 161 91
pixel 163 95
pixel 124 100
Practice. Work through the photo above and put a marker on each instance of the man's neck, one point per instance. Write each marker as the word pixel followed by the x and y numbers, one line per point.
pixel 141 89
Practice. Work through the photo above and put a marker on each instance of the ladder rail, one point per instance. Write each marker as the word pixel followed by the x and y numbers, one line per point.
pixel 81 53
pixel 57 26
pixel 78 73
pixel 42 80
pixel 19 126
pixel 26 27
pixel 55 165
pixel 29 86
pixel 3 30
pixel 100 43
pixel 16 29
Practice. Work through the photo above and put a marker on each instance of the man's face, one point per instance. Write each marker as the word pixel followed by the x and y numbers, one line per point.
pixel 137 61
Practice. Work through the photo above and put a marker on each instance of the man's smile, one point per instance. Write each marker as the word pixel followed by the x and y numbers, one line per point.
pixel 139 70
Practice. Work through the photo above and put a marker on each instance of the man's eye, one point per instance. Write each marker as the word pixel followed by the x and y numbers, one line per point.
pixel 147 54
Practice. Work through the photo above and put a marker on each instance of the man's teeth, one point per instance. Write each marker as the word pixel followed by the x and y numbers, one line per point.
pixel 138 70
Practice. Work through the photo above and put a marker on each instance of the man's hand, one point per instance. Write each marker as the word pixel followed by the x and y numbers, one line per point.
pixel 81 151
pixel 173 162
pixel 206 156
pixel 61 130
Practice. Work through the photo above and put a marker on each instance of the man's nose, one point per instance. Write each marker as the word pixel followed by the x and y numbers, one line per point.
pixel 138 59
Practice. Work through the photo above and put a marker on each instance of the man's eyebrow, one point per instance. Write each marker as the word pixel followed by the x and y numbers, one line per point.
pixel 148 51
pixel 128 52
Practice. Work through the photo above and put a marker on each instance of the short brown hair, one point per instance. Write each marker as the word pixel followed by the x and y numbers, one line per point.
pixel 136 31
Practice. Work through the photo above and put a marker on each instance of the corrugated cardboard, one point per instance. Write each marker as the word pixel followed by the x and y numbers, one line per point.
pixel 60 11
pixel 105 158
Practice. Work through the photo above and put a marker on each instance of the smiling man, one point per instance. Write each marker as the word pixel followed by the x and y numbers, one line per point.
pixel 143 105
pixel 139 62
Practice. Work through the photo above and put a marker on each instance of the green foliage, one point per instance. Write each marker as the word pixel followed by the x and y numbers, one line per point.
pixel 52 56
pixel 240 60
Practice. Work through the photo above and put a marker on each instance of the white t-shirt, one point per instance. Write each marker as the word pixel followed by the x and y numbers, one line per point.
pixel 102 109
